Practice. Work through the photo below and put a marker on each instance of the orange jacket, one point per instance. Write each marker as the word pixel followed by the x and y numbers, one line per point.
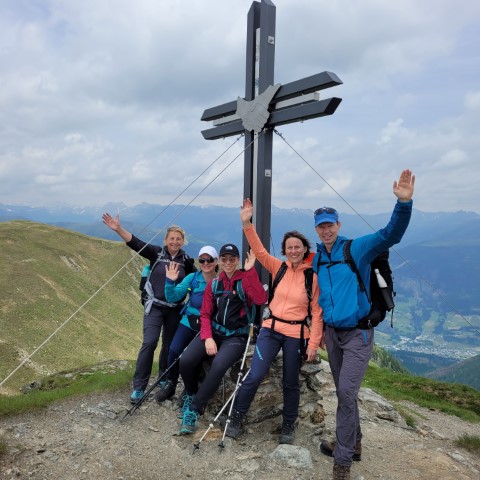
pixel 290 301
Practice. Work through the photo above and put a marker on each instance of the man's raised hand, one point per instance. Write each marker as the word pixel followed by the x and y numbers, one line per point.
pixel 403 189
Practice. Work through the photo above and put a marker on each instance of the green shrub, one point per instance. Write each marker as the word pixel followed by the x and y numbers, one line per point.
pixel 469 442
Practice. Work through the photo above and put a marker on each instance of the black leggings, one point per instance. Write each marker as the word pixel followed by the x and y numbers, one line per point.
pixel 230 350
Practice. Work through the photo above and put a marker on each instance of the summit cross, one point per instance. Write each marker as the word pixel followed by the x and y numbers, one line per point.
pixel 264 107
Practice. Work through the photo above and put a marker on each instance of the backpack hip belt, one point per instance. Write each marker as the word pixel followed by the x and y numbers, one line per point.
pixel 303 323
pixel 149 302
pixel 228 333
pixel 290 322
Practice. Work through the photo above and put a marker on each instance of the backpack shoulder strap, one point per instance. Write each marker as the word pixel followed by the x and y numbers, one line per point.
pixel 278 277
pixel 189 263
pixel 308 281
pixel 329 264
pixel 353 266
pixel 308 287
pixel 239 289
pixel 249 310
pixel 215 287
pixel 153 264
pixel 194 282
pixel 319 261
pixel 192 286
pixel 160 256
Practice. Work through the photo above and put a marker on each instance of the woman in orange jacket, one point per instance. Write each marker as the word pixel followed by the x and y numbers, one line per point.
pixel 285 326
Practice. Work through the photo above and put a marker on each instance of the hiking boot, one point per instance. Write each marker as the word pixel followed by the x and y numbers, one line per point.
pixel 187 401
pixel 189 422
pixel 166 390
pixel 288 433
pixel 235 424
pixel 327 448
pixel 340 472
pixel 136 396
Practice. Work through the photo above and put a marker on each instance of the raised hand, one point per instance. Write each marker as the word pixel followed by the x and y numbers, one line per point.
pixel 171 271
pixel 250 260
pixel 403 189
pixel 110 222
pixel 114 224
pixel 246 212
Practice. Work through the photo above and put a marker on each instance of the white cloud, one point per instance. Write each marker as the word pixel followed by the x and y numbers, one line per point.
pixel 101 100
pixel 452 159
pixel 472 100
pixel 393 129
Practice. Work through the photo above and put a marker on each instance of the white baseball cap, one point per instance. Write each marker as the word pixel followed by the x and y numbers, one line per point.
pixel 209 251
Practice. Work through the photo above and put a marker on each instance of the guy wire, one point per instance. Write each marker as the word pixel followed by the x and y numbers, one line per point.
pixel 25 360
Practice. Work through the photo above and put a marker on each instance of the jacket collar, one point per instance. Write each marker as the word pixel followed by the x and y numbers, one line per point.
pixel 338 245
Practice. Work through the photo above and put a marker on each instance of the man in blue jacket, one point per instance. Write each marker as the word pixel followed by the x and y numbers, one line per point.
pixel 349 347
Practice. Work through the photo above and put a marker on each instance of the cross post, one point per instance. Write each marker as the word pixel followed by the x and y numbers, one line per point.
pixel 283 104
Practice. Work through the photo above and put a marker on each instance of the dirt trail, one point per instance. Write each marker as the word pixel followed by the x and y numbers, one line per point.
pixel 82 438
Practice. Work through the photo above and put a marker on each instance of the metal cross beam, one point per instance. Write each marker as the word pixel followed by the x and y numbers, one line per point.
pixel 264 107
pixel 301 107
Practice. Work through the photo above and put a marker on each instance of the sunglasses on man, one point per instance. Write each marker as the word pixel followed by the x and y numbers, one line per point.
pixel 321 210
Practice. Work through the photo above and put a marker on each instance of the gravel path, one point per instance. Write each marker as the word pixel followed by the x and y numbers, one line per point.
pixel 83 438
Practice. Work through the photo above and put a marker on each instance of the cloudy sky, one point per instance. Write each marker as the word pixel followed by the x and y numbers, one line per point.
pixel 100 101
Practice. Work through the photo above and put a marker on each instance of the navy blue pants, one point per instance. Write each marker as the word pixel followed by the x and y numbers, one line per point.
pixel 159 317
pixel 183 336
pixel 269 343
pixel 230 349
pixel 348 354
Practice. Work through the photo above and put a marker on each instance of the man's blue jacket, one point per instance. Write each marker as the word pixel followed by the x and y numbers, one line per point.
pixel 341 299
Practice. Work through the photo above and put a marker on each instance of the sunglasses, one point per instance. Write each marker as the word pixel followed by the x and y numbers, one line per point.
pixel 328 210
pixel 228 259
pixel 205 260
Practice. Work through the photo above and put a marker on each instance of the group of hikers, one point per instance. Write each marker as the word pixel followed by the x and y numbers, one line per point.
pixel 214 322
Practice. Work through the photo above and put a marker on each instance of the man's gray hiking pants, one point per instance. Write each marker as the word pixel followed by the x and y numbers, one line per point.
pixel 348 353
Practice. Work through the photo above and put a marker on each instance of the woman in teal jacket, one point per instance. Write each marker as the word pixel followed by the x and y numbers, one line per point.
pixel 194 285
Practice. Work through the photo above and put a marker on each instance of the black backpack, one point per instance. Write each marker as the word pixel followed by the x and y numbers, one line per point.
pixel 381 298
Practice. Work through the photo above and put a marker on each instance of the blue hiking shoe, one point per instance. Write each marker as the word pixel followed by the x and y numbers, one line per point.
pixel 136 396
pixel 187 401
pixel 189 422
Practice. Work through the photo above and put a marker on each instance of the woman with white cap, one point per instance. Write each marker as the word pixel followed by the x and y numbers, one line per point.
pixel 193 285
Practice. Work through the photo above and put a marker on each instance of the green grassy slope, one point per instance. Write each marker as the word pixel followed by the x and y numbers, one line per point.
pixel 465 372
pixel 47 274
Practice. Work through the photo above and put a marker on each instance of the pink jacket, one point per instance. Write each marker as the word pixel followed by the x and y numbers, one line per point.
pixel 254 293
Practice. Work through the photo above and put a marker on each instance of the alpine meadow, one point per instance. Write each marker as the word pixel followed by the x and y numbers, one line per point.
pixel 48 273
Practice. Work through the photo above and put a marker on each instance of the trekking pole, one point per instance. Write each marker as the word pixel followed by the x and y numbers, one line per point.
pixel 157 381
pixel 237 387
pixel 232 396
pixel 196 446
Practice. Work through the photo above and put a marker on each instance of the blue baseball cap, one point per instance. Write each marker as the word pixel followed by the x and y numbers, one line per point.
pixel 325 215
